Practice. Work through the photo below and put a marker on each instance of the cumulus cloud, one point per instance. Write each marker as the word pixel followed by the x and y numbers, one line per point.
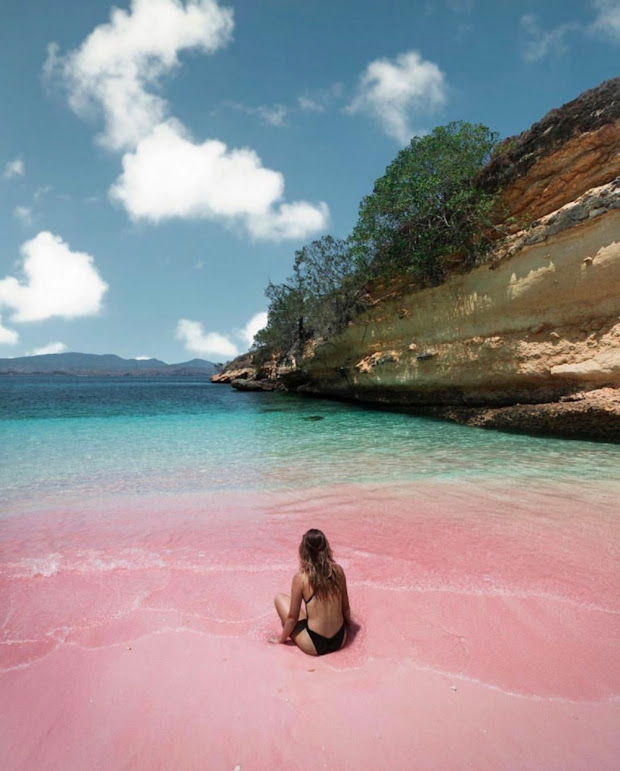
pixel 116 72
pixel 8 336
pixel 116 64
pixel 540 43
pixel 393 91
pixel 607 20
pixel 214 344
pixel 170 176
pixel 14 168
pixel 56 282
pixel 23 214
pixel 49 348
pixel 254 325
pixel 202 343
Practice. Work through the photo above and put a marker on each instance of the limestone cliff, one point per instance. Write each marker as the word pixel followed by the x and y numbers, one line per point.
pixel 531 339
pixel 538 325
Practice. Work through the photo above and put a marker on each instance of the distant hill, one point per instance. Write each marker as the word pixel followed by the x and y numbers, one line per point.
pixel 92 364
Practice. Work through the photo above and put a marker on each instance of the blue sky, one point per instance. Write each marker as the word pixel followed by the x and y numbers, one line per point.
pixel 161 162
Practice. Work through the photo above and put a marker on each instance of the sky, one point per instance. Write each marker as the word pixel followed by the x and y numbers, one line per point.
pixel 162 160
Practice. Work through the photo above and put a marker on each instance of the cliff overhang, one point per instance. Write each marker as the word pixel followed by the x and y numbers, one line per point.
pixel 531 339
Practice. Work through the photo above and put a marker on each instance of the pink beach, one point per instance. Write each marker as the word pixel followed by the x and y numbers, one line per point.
pixel 486 634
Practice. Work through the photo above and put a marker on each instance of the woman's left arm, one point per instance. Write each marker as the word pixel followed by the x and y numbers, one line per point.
pixel 294 608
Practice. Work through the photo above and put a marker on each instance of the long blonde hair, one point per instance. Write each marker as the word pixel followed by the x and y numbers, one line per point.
pixel 317 562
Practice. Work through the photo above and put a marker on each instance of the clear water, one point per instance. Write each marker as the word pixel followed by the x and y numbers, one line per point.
pixel 66 436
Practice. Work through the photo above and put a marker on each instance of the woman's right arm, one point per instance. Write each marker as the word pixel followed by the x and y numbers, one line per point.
pixel 346 609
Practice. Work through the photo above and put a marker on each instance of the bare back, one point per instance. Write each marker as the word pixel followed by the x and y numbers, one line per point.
pixel 326 615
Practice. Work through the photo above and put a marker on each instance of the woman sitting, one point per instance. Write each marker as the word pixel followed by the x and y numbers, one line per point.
pixel 322 626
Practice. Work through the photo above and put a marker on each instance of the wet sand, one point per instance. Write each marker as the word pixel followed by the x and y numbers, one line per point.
pixel 136 634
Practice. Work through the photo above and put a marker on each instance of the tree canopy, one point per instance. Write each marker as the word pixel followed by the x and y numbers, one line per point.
pixel 427 205
pixel 426 208
pixel 317 300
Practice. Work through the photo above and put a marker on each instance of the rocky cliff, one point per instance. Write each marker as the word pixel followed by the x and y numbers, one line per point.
pixel 531 339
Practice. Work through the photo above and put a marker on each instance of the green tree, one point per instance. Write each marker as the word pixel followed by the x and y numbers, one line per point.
pixel 285 331
pixel 427 206
pixel 317 300
pixel 326 272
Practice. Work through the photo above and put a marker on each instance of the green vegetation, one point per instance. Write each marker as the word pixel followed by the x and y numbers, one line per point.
pixel 425 209
pixel 318 300
pixel 427 206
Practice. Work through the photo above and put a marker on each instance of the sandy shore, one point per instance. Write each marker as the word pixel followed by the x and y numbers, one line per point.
pixel 487 634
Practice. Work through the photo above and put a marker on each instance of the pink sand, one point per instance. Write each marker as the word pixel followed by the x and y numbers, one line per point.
pixel 136 635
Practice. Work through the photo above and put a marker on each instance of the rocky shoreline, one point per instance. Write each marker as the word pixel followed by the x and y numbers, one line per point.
pixel 528 341
pixel 591 415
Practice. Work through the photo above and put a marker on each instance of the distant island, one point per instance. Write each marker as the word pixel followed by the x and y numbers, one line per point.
pixel 104 365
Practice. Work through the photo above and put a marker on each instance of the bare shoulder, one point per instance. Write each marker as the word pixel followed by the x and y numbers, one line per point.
pixel 299 580
pixel 340 572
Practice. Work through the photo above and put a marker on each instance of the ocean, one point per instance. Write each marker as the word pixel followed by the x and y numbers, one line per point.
pixel 159 517
pixel 63 437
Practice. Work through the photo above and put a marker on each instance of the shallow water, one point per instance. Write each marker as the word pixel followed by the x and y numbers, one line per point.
pixel 146 525
pixel 66 436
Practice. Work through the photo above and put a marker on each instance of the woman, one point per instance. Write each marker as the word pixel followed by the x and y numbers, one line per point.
pixel 322 626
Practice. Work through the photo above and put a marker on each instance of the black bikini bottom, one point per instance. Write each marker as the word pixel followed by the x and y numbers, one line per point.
pixel 322 644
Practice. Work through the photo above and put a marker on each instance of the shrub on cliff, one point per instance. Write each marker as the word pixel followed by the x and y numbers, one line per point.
pixel 285 328
pixel 316 301
pixel 327 273
pixel 427 206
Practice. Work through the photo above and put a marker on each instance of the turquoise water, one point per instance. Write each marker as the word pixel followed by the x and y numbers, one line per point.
pixel 68 436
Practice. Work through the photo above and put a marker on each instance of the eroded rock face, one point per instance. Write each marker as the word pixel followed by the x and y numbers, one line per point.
pixel 241 368
pixel 593 415
pixel 572 149
pixel 529 341
pixel 540 322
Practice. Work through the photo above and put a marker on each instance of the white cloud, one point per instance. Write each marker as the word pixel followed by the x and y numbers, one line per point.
pixel 114 72
pixel 8 336
pixel 118 61
pixel 57 282
pixel 214 344
pixel 23 214
pixel 391 90
pixel 49 348
pixel 540 43
pixel 254 325
pixel 290 220
pixel 143 358
pixel 14 168
pixel 170 176
pixel 274 115
pixel 202 343
pixel 607 20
